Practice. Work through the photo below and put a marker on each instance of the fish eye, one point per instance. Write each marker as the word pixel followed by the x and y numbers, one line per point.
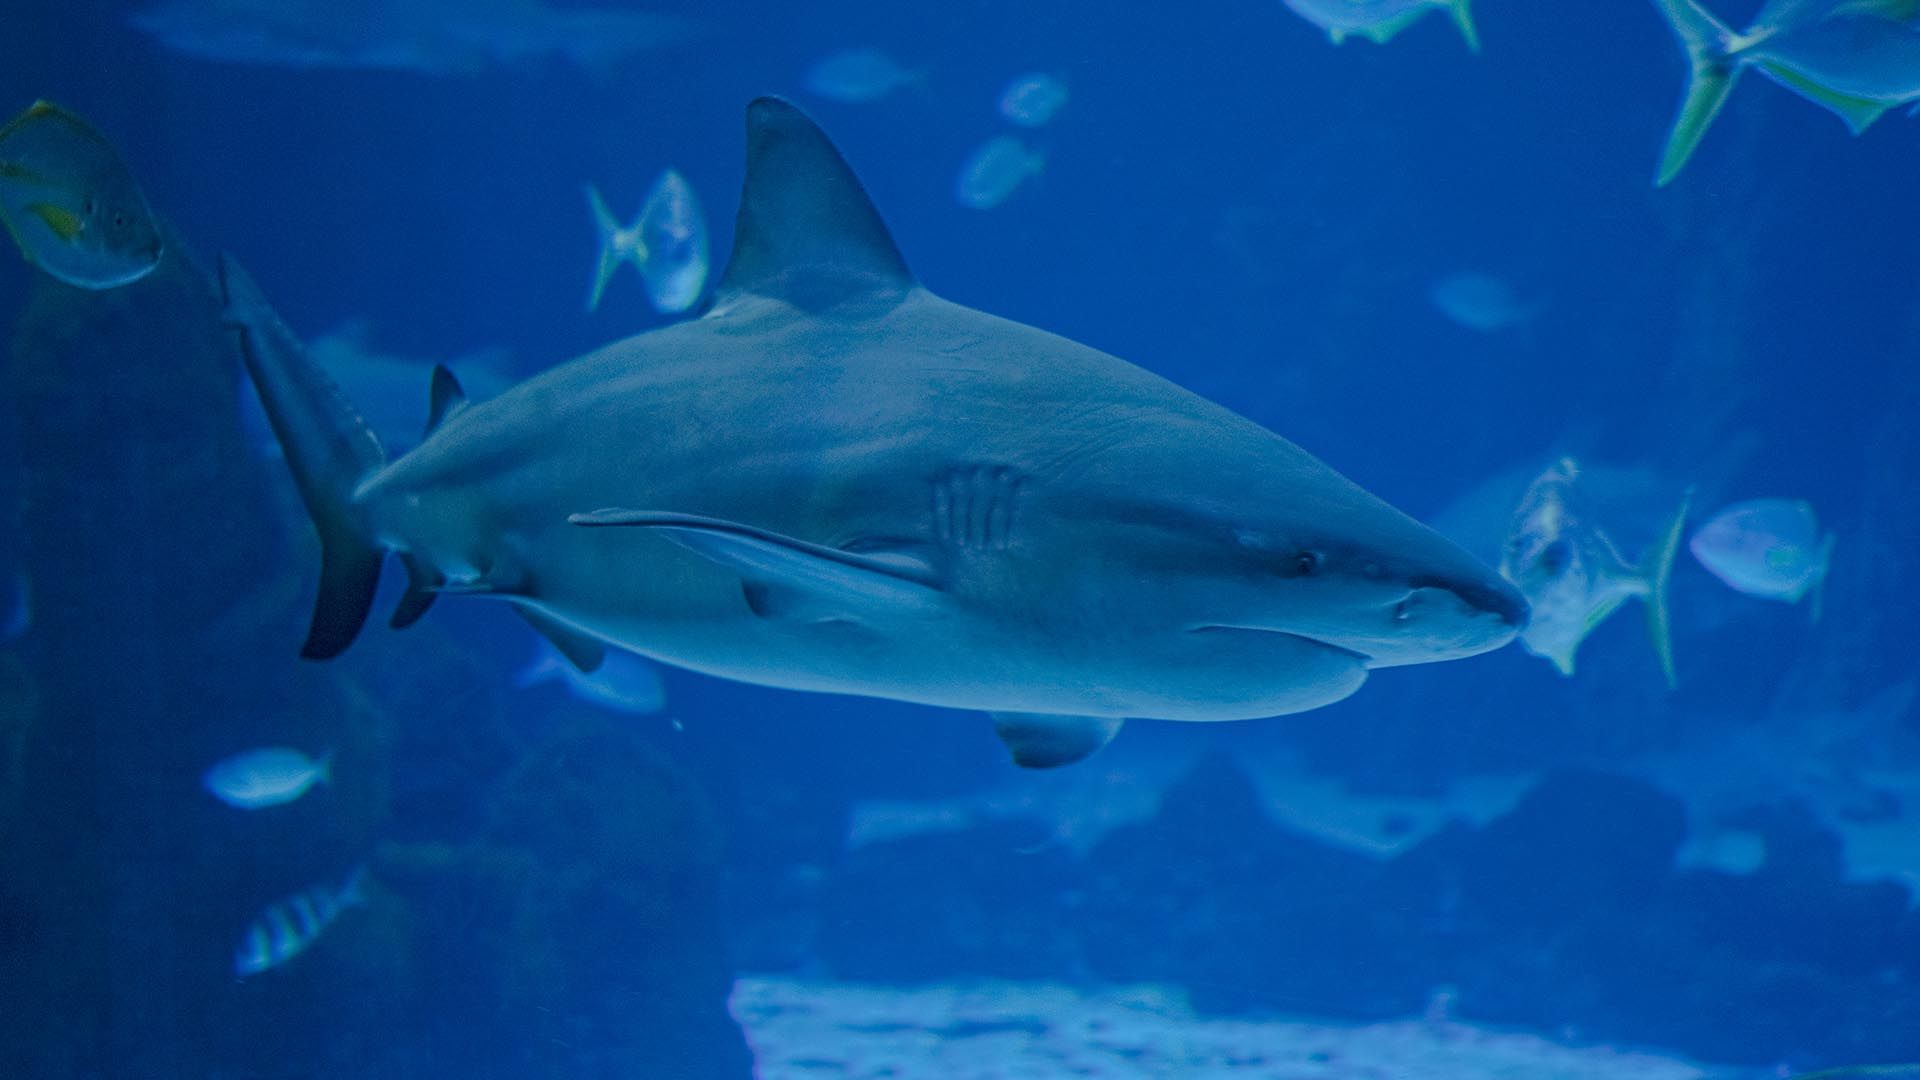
pixel 1555 556
pixel 1306 563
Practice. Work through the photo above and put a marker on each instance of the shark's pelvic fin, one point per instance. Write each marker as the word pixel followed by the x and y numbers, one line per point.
pixel 1039 741
pixel 583 652
pixel 423 586
pixel 807 233
pixel 848 582
pixel 328 447
pixel 445 399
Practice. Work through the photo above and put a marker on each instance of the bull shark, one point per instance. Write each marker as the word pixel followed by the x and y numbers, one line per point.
pixel 833 480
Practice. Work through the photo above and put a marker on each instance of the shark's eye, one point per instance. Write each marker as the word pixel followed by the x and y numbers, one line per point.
pixel 1306 563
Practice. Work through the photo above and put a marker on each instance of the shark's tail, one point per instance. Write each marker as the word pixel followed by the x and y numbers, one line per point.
pixel 1656 567
pixel 614 249
pixel 330 450
pixel 1708 43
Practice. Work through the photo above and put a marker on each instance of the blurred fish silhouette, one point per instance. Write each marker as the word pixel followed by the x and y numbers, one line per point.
pixel 286 928
pixel 836 481
pixel 621 682
pixel 1380 20
pixel 1033 100
pixel 449 37
pixel 667 243
pixel 1854 58
pixel 266 777
pixel 1769 548
pixel 16 607
pixel 995 171
pixel 860 76
pixel 1479 302
pixel 1864 1072
pixel 71 205
pixel 1574 577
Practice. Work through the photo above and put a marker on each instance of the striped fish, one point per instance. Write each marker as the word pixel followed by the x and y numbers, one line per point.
pixel 285 928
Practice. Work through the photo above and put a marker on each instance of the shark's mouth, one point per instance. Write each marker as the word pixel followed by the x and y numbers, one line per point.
pixel 1358 657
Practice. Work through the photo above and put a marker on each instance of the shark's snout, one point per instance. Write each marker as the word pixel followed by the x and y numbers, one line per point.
pixel 1492 595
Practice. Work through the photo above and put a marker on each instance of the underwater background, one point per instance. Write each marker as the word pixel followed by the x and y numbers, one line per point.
pixel 720 880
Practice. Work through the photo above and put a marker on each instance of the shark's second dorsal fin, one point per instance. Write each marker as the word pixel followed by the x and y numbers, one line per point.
pixel 445 398
pixel 806 233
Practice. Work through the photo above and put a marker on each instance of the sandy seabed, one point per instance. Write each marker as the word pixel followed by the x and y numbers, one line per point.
pixel 810 1030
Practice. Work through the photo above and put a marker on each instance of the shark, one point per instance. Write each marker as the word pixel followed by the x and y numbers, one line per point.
pixel 834 480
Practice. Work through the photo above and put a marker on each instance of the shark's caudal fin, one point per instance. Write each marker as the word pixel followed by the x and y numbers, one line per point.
pixel 1712 73
pixel 806 234
pixel 329 449
pixel 1656 566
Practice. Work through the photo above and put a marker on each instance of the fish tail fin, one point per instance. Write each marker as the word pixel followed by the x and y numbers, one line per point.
pixel 1656 568
pixel 353 891
pixel 1712 73
pixel 612 251
pixel 1817 603
pixel 329 449
pixel 1463 19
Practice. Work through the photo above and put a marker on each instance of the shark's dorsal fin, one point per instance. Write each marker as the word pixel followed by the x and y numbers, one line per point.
pixel 445 397
pixel 806 233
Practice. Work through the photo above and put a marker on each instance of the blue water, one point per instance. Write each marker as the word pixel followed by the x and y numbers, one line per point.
pixel 1228 201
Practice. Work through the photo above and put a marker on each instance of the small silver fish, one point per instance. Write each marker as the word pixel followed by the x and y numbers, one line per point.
pixel 624 682
pixel 1380 20
pixel 70 203
pixel 1769 548
pixel 16 612
pixel 860 76
pixel 1479 302
pixel 1574 576
pixel 995 171
pixel 1032 100
pixel 266 777
pixel 1854 58
pixel 285 928
pixel 667 243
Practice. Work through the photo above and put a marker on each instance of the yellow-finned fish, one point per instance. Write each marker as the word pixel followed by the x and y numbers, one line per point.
pixel 1574 577
pixel 71 204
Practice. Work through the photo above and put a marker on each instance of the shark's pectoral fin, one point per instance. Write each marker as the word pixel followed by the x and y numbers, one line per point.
pixel 1041 741
pixel 583 652
pixel 785 575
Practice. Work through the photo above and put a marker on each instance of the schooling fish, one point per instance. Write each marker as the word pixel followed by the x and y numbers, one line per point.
pixel 1380 20
pixel 621 681
pixel 995 171
pixel 836 481
pixel 667 243
pixel 860 76
pixel 1855 58
pixel 70 203
pixel 1770 548
pixel 266 777
pixel 285 928
pixel 448 37
pixel 1032 100
pixel 1574 577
